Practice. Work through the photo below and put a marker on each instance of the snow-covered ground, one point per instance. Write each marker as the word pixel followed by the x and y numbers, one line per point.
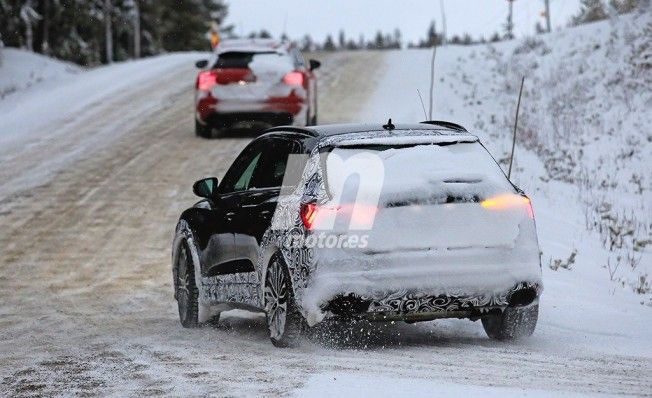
pixel 584 157
pixel 60 118
pixel 20 70
pixel 97 165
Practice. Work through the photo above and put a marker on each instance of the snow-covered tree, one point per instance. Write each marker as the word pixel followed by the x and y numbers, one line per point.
pixel 626 6
pixel 307 44
pixel 29 16
pixel 590 11
pixel 329 44
pixel 76 30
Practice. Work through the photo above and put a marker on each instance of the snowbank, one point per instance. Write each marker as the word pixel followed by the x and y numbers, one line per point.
pixel 584 156
pixel 20 70
pixel 56 93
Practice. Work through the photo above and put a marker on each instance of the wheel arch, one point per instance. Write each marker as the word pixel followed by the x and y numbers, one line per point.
pixel 269 249
pixel 184 233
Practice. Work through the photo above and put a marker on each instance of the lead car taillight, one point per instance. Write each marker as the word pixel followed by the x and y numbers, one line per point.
pixel 206 80
pixel 293 79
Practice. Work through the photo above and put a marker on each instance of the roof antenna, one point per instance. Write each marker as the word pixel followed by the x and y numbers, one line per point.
pixel 389 125
pixel 425 115
pixel 518 106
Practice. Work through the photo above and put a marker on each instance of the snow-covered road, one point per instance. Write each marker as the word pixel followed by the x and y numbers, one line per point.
pixel 88 203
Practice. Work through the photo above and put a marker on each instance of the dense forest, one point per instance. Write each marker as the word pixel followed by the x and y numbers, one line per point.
pixel 90 32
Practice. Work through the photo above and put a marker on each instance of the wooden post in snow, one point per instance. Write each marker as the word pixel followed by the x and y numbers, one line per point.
pixel 518 106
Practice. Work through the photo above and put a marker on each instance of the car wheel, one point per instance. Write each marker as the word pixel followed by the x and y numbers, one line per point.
pixel 203 131
pixel 512 323
pixel 284 320
pixel 186 292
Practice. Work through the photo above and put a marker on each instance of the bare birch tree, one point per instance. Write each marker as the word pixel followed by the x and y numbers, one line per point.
pixel 29 16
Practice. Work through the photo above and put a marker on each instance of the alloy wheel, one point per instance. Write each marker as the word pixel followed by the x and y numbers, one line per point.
pixel 183 292
pixel 276 299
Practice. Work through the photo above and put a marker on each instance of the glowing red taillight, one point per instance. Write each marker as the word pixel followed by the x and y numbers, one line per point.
pixel 308 213
pixel 293 79
pixel 360 216
pixel 206 80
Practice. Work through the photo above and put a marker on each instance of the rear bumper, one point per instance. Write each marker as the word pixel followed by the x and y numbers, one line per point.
pixel 290 110
pixel 415 306
pixel 246 119
pixel 430 284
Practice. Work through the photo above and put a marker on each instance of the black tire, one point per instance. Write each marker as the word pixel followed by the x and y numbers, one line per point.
pixel 203 131
pixel 513 323
pixel 284 321
pixel 186 290
pixel 214 321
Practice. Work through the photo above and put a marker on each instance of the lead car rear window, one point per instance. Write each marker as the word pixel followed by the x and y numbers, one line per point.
pixel 243 60
pixel 432 173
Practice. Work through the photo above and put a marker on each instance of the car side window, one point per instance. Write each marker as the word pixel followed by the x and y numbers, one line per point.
pixel 239 175
pixel 244 181
pixel 274 163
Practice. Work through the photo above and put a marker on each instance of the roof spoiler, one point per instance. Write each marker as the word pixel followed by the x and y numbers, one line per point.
pixel 449 125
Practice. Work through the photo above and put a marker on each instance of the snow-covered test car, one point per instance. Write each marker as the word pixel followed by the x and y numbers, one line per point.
pixel 249 82
pixel 385 223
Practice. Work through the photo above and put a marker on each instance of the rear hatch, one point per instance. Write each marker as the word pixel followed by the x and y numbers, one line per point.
pixel 251 76
pixel 443 196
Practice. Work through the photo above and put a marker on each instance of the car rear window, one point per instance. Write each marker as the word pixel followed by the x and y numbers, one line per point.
pixel 244 60
pixel 421 173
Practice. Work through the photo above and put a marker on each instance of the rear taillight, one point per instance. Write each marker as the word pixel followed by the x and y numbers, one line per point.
pixel 206 80
pixel 308 214
pixel 323 216
pixel 508 201
pixel 293 79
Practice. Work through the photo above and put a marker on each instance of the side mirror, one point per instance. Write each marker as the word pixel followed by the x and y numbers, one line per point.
pixel 314 64
pixel 201 64
pixel 205 188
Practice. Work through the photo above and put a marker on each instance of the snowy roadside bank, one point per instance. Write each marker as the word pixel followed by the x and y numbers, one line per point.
pixel 583 305
pixel 60 121
pixel 86 302
pixel 20 70
pixel 61 92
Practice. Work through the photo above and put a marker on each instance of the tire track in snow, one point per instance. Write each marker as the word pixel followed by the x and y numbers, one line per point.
pixel 86 301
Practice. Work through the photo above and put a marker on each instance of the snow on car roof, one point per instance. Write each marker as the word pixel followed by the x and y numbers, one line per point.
pixel 426 137
pixel 362 134
pixel 399 129
pixel 251 45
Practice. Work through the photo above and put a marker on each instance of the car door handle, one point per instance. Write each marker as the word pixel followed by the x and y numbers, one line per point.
pixel 229 215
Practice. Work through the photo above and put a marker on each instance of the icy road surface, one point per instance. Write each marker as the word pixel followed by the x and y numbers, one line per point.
pixel 86 305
